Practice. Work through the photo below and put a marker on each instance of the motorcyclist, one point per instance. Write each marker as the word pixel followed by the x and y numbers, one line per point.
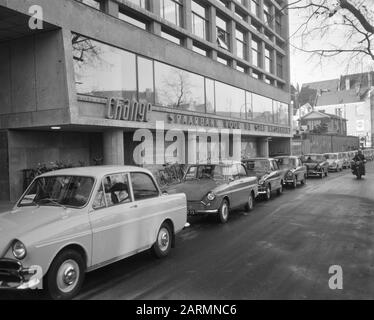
pixel 360 157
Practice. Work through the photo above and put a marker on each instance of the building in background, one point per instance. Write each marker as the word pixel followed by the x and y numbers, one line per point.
pixel 324 123
pixel 350 97
pixel 77 90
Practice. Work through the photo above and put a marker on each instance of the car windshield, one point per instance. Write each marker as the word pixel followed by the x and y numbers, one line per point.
pixel 286 163
pixel 314 157
pixel 331 156
pixel 69 191
pixel 254 166
pixel 216 172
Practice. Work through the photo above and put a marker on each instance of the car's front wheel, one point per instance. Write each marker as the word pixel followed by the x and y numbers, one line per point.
pixel 251 202
pixel 280 190
pixel 65 276
pixel 268 193
pixel 224 211
pixel 162 246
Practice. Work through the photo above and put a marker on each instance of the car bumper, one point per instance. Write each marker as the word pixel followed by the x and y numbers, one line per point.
pixel 312 172
pixel 15 277
pixel 200 208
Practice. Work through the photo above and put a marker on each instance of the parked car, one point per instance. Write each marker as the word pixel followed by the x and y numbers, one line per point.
pixel 294 170
pixel 270 177
pixel 346 160
pixel 317 165
pixel 217 189
pixel 74 221
pixel 335 161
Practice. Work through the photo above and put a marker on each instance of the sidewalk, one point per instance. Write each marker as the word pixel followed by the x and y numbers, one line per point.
pixel 5 206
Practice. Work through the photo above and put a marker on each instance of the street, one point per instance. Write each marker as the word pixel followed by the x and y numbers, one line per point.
pixel 281 250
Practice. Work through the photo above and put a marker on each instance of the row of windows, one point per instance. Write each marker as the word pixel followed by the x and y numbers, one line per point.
pixel 172 10
pixel 105 71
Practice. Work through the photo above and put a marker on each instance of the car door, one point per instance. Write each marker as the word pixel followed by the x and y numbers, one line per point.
pixel 233 185
pixel 112 219
pixel 150 210
pixel 276 175
pixel 243 185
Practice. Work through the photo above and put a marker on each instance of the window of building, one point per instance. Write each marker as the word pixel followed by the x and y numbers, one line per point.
pixel 240 44
pixel 225 3
pixel 171 37
pixel 102 70
pixel 256 53
pixel 255 7
pixel 269 81
pixel 143 186
pixel 230 101
pixel 146 91
pixel 179 89
pixel 256 74
pixel 240 68
pixel 132 19
pixel 262 108
pixel 223 60
pixel 198 49
pixel 268 60
pixel 199 20
pixel 284 114
pixel 141 3
pixel 222 34
pixel 171 10
pixel 278 23
pixel 267 15
pixel 279 66
pixel 249 107
pixel 240 14
pixel 97 4
pixel 210 95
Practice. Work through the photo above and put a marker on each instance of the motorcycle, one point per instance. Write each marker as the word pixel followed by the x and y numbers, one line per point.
pixel 358 168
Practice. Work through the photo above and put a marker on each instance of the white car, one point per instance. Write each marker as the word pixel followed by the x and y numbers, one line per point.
pixel 73 221
pixel 335 160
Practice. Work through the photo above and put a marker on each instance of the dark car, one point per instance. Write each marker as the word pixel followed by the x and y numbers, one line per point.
pixel 317 165
pixel 270 178
pixel 216 189
pixel 293 169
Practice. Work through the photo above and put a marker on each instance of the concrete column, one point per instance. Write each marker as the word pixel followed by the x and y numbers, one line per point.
pixel 212 30
pixel 263 147
pixel 187 15
pixel 261 10
pixel 262 54
pixel 248 41
pixel 155 7
pixel 232 31
pixel 114 153
pixel 111 7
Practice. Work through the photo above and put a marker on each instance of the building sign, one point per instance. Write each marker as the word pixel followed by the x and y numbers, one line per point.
pixel 190 120
pixel 126 110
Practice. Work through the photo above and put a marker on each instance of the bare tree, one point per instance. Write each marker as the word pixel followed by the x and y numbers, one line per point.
pixel 335 27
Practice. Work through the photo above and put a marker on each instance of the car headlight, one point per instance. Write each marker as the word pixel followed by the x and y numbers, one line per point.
pixel 211 196
pixel 19 250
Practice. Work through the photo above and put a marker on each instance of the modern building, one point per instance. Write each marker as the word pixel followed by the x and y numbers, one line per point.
pixel 76 87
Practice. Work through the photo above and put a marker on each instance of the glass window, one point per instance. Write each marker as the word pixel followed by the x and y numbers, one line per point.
pixel 70 191
pixel 278 23
pixel 103 71
pixel 210 95
pixel 135 21
pixel 143 186
pixel 117 189
pixel 249 107
pixel 171 10
pixel 179 89
pixel 141 3
pixel 267 15
pixel 256 53
pixel 145 80
pixel 222 60
pixel 240 44
pixel 199 20
pixel 99 201
pixel 222 34
pixel 230 101
pixel 268 60
pixel 242 171
pixel 255 7
pixel 284 115
pixel 199 50
pixel 279 66
pixel 166 35
pixel 262 108
pixel 97 4
pixel 276 110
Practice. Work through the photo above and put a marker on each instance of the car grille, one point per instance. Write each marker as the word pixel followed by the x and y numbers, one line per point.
pixel 10 270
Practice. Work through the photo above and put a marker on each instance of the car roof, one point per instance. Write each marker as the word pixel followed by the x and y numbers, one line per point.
pixel 252 159
pixel 97 171
pixel 283 157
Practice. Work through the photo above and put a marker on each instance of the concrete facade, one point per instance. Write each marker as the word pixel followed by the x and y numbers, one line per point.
pixel 39 90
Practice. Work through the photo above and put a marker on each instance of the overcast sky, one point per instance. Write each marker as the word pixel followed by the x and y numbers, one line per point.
pixel 306 68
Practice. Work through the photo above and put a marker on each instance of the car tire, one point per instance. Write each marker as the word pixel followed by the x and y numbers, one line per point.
pixel 65 276
pixel 326 173
pixel 162 246
pixel 303 182
pixel 322 174
pixel 224 212
pixel 268 193
pixel 251 203
pixel 280 190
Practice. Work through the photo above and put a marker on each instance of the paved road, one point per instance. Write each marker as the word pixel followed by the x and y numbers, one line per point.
pixel 282 250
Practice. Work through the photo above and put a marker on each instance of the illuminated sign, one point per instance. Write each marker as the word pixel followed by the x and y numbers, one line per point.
pixel 126 110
